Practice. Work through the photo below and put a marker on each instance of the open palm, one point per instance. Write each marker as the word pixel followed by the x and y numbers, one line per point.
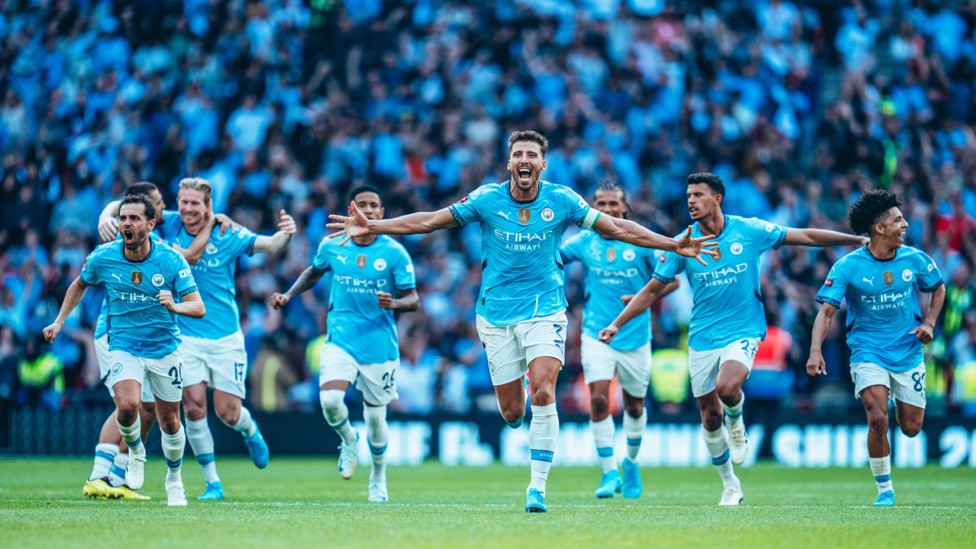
pixel 352 225
pixel 689 246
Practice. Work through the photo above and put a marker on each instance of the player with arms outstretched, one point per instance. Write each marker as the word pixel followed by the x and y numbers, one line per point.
pixel 727 316
pixel 521 315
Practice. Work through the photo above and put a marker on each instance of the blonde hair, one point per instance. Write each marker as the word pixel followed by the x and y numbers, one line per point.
pixel 198 184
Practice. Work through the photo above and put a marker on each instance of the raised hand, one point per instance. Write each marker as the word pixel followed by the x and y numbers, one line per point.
pixel 689 246
pixel 287 223
pixel 353 225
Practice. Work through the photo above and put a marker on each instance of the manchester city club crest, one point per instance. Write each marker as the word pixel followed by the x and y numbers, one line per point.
pixel 524 215
pixel 548 214
pixel 137 277
pixel 158 279
pixel 360 261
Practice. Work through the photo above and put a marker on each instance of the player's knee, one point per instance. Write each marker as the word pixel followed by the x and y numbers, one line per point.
pixel 711 420
pixel 331 400
pixel 878 422
pixel 634 409
pixel 728 392
pixel 511 415
pixel 194 412
pixel 542 395
pixel 910 428
pixel 170 424
pixel 228 412
pixel 599 405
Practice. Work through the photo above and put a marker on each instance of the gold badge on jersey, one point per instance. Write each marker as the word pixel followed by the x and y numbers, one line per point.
pixel 524 215
pixel 360 261
pixel 889 278
pixel 137 277
pixel 611 254
pixel 718 253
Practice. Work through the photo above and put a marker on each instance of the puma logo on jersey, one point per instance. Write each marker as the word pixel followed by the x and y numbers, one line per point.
pixel 118 278
pixel 503 214
pixel 870 281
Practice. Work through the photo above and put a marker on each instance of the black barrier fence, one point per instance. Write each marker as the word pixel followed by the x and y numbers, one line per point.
pixel 480 439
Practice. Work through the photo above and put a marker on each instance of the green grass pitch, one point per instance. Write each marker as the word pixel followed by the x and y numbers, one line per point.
pixel 302 502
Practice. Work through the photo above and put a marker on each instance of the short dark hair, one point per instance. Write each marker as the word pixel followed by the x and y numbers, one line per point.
pixel 365 188
pixel 142 187
pixel 713 181
pixel 140 199
pixel 871 209
pixel 528 135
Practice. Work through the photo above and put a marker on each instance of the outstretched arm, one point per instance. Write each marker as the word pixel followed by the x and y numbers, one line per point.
pixel 277 242
pixel 356 224
pixel 822 237
pixel 628 231
pixel 640 302
pixel 815 364
pixel 306 281
pixel 924 331
pixel 71 300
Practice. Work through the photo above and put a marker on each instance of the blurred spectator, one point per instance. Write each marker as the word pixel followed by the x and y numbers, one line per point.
pixel 799 106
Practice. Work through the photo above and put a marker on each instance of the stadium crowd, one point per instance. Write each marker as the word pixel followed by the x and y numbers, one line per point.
pixel 799 107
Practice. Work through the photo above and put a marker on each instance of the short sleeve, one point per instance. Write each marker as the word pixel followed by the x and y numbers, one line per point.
pixel 834 287
pixel 577 210
pixel 321 260
pixel 404 277
pixel 185 284
pixel 572 249
pixel 929 276
pixel 669 264
pixel 244 242
pixel 764 234
pixel 89 270
pixel 467 210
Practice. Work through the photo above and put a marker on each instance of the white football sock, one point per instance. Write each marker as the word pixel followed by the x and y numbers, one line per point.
pixel 603 434
pixel 634 428
pixel 378 436
pixel 201 441
pixel 543 435
pixel 104 456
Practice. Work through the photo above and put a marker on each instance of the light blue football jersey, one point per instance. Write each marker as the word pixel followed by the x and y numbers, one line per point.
pixel 137 323
pixel 882 304
pixel 523 274
pixel 356 323
pixel 611 269
pixel 159 233
pixel 727 303
pixel 214 273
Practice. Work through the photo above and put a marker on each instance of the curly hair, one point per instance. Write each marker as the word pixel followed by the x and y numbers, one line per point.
pixel 870 209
